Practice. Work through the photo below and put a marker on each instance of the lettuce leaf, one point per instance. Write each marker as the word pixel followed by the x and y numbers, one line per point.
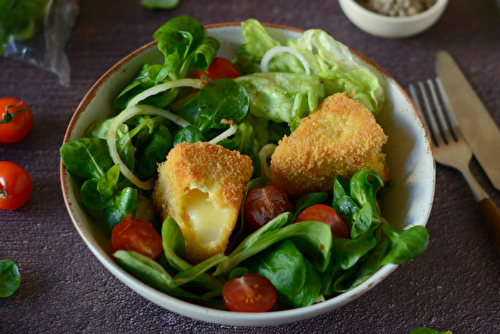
pixel 328 59
pixel 334 62
pixel 283 97
pixel 256 43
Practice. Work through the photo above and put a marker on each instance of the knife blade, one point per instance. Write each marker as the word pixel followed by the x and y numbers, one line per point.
pixel 474 120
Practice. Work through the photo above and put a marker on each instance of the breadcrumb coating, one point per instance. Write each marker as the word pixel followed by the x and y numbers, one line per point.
pixel 340 138
pixel 202 169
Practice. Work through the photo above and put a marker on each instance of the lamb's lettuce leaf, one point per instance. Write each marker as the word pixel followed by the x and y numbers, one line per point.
pixel 183 42
pixel 159 4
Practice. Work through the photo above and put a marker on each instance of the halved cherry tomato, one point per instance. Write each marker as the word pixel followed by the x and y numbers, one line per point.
pixel 15 186
pixel 249 293
pixel 136 235
pixel 326 214
pixel 264 204
pixel 218 69
pixel 16 120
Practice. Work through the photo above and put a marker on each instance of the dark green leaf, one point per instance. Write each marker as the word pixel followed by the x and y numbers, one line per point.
pixel 273 225
pixel 190 111
pixel 361 221
pixel 158 73
pixel 284 266
pixel 238 272
pixel 310 290
pixel 405 245
pixel 10 279
pixel 347 252
pixel 153 274
pixel 18 19
pixel 137 86
pixel 429 331
pixel 277 131
pixel 314 239
pixel 181 25
pixel 155 152
pixel 107 183
pixel 177 38
pixel 175 252
pixel 371 265
pixel 342 202
pixel 196 271
pixel 159 4
pixel 124 147
pixel 174 245
pixel 94 202
pixel 221 101
pixel 162 100
pixel 145 269
pixel 120 206
pixel 189 134
pixel 308 200
pixel 87 158
pixel 364 269
pixel 205 53
pixel 328 278
pixel 364 186
pixel 315 242
pixel 240 227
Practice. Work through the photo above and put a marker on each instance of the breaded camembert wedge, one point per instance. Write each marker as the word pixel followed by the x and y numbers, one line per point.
pixel 341 137
pixel 202 187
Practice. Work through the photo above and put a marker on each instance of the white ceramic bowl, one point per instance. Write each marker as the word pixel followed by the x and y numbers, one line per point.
pixel 409 158
pixel 392 27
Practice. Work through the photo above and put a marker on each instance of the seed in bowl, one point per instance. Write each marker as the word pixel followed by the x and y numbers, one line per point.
pixel 397 7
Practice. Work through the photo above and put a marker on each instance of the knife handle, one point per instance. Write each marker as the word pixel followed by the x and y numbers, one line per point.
pixel 491 216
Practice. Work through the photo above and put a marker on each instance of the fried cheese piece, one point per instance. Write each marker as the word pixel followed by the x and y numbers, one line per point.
pixel 341 137
pixel 202 187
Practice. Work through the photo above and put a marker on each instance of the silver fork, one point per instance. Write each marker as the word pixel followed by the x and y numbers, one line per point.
pixel 451 149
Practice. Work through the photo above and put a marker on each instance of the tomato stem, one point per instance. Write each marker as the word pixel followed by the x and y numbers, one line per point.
pixel 7 117
pixel 4 195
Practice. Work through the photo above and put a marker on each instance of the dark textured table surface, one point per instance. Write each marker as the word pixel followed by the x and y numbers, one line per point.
pixel 454 285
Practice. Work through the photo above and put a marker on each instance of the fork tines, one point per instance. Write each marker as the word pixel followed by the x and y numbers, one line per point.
pixel 437 116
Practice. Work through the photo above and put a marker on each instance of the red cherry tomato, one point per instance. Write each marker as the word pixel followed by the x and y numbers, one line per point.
pixel 136 235
pixel 249 293
pixel 264 204
pixel 16 120
pixel 15 186
pixel 326 214
pixel 218 69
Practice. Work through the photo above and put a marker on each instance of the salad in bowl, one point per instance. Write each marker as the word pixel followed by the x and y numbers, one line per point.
pixel 242 168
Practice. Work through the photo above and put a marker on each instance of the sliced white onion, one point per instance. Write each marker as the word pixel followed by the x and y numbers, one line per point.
pixel 121 118
pixel 194 83
pixel 229 132
pixel 265 153
pixel 264 64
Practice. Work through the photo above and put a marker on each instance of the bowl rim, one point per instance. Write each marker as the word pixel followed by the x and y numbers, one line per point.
pixel 434 9
pixel 201 312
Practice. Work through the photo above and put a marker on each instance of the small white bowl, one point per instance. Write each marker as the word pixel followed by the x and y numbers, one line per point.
pixel 392 27
pixel 409 157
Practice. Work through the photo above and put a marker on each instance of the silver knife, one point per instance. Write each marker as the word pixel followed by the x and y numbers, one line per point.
pixel 475 122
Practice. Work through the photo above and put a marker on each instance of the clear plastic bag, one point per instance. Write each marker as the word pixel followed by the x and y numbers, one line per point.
pixel 36 32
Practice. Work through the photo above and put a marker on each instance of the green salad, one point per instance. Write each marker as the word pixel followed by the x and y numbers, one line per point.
pixel 18 19
pixel 275 87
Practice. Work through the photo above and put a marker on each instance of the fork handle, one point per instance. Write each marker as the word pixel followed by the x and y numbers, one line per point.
pixel 491 216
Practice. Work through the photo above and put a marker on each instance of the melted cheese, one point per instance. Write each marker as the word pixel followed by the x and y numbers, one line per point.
pixel 206 220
